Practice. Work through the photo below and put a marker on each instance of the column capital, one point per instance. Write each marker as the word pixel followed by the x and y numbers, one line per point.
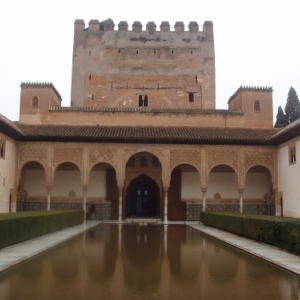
pixel 84 189
pixel 241 190
pixel 203 189
pixel 120 188
pixel 49 188
pixel 166 189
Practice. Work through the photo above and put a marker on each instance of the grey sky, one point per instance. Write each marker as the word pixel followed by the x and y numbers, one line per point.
pixel 256 42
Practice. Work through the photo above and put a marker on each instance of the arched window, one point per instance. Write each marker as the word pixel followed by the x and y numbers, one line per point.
pixel 131 162
pixel 155 162
pixel 2 148
pixel 35 102
pixel 143 162
pixel 257 106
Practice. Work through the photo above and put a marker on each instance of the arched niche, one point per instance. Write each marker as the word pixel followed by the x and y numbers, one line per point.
pixel 33 187
pixel 103 188
pixel 258 193
pixel 184 189
pixel 67 184
pixel 222 188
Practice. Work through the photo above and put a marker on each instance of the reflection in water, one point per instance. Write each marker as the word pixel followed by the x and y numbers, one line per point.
pixel 141 262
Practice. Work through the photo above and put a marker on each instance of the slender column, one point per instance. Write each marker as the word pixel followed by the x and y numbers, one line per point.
pixel 120 203
pixel 166 189
pixel 14 200
pixel 84 191
pixel 241 191
pixel 204 199
pixel 49 188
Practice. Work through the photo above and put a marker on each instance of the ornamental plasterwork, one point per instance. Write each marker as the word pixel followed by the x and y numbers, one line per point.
pixel 74 155
pixel 108 155
pixel 128 152
pixel 263 158
pixel 222 157
pixel 185 156
pixel 27 154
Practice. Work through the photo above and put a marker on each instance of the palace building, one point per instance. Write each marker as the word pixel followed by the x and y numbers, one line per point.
pixel 142 136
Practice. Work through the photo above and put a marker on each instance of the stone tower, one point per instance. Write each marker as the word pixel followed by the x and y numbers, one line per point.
pixel 143 68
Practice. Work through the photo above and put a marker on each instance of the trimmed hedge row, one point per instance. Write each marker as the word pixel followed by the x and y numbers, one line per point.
pixel 281 232
pixel 22 226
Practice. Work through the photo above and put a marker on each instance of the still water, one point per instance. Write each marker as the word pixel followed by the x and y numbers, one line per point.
pixel 158 262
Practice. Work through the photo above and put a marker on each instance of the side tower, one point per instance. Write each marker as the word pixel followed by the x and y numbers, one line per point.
pixel 134 69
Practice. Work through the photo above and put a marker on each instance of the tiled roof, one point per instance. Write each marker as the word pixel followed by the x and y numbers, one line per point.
pixel 176 135
pixel 149 110
pixel 10 128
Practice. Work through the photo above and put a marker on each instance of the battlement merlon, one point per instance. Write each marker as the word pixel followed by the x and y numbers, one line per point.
pixel 108 25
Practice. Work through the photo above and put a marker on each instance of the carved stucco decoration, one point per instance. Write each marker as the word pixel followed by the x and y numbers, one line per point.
pixel 73 155
pixel 159 153
pixel 263 158
pixel 27 154
pixel 222 157
pixel 185 156
pixel 108 155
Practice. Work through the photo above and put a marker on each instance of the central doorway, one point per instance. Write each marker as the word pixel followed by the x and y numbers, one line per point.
pixel 142 198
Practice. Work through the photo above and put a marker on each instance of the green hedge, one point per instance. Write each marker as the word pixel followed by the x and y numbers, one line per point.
pixel 277 231
pixel 22 226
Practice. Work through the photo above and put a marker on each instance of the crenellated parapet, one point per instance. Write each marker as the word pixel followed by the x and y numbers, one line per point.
pixel 137 27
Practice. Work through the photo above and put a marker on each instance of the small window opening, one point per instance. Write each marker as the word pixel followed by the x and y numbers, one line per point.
pixel 2 148
pixel 131 162
pixel 172 52
pixel 155 162
pixel 143 101
pixel 137 51
pixel 143 162
pixel 196 79
pixel 90 77
pixel 35 102
pixel 257 106
pixel 191 51
pixel 292 155
pixel 93 98
pixel 191 97
pixel 90 53
pixel 154 51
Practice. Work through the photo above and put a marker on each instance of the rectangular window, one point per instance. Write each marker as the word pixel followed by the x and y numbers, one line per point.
pixel 292 154
pixel 2 148
pixel 191 97
pixel 143 101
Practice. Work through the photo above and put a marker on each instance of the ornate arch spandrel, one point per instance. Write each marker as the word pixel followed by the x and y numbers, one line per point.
pixel 159 153
pixel 33 154
pixel 216 157
pixel 185 156
pixel 260 158
pixel 71 155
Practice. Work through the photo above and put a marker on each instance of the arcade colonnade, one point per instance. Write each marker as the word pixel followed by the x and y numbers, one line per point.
pixel 189 178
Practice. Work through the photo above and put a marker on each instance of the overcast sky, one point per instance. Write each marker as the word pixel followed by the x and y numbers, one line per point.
pixel 257 42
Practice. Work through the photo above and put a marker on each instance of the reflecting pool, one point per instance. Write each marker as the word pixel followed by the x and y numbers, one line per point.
pixel 146 262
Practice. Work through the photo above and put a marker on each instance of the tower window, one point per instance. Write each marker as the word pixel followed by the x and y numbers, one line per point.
pixel 292 154
pixel 2 148
pixel 143 101
pixel 191 97
pixel 93 97
pixel 35 102
pixel 90 76
pixel 257 106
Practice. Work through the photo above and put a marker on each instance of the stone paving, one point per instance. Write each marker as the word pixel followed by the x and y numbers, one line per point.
pixel 10 256
pixel 273 255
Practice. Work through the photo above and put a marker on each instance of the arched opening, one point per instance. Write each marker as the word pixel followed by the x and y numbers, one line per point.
pixel 222 190
pixel 67 187
pixel 184 194
pixel 143 198
pixel 103 192
pixel 32 191
pixel 143 186
pixel 258 194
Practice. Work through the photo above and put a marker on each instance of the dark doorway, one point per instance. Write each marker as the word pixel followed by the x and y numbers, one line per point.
pixel 142 198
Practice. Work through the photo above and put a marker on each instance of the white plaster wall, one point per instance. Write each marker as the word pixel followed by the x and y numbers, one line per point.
pixel 223 183
pixel 289 181
pixel 97 184
pixel 190 186
pixel 66 181
pixel 257 185
pixel 7 173
pixel 35 183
